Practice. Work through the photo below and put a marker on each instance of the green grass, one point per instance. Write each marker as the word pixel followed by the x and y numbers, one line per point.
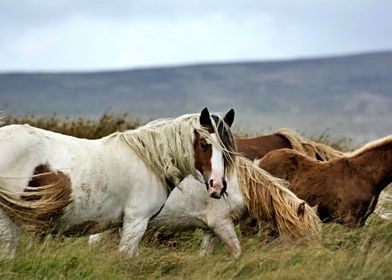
pixel 342 253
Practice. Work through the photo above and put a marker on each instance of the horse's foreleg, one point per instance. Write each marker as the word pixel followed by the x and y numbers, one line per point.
pixel 137 213
pixel 132 233
pixel 9 236
pixel 227 234
pixel 208 243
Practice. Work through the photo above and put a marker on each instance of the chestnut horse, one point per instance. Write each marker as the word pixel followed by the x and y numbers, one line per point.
pixel 345 189
pixel 257 147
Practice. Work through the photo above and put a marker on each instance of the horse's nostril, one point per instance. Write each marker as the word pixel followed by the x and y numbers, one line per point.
pixel 211 183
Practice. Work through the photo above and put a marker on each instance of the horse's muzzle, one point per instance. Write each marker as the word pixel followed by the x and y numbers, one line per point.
pixel 216 189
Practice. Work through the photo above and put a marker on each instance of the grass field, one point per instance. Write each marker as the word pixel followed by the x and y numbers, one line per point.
pixel 342 253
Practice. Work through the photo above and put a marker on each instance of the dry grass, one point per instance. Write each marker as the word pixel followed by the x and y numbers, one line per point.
pixel 78 127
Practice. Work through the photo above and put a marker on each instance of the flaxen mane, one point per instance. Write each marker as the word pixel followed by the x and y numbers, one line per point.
pixel 268 199
pixel 372 145
pixel 166 146
pixel 315 150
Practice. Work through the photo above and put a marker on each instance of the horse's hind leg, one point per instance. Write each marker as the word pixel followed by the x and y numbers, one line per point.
pixel 9 236
pixel 208 243
pixel 94 239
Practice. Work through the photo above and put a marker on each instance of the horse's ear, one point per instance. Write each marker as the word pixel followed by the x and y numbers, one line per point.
pixel 205 119
pixel 229 117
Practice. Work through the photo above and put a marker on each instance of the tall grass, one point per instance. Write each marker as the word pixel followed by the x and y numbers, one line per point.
pixel 341 254
pixel 364 253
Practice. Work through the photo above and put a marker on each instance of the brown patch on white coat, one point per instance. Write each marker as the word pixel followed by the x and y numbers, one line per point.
pixel 42 201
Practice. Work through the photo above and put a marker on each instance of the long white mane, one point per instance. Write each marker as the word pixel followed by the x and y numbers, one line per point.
pixel 166 146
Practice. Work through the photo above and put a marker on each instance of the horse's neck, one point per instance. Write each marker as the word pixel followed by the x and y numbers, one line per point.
pixel 376 164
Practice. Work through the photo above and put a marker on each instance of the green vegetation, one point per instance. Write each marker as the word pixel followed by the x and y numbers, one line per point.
pixel 342 253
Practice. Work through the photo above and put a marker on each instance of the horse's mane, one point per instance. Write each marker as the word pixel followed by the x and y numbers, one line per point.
pixel 166 146
pixel 372 145
pixel 268 198
pixel 308 147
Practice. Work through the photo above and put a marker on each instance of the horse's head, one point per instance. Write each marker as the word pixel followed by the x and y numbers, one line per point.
pixel 214 150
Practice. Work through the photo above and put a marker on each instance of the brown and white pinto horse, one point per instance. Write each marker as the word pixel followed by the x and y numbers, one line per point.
pixel 345 189
pixel 61 184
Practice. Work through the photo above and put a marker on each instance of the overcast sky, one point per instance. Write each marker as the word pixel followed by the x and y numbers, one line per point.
pixel 113 34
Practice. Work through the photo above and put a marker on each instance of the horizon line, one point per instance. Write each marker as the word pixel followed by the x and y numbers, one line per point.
pixel 197 64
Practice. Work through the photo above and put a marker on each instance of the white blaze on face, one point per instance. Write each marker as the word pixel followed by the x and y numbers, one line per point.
pixel 215 182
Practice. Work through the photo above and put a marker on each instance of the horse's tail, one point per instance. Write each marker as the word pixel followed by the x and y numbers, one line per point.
pixel 310 148
pixel 268 198
pixel 384 205
pixel 39 206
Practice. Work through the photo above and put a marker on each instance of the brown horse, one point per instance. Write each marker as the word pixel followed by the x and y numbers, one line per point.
pixel 345 189
pixel 257 147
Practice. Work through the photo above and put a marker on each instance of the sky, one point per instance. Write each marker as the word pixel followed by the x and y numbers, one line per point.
pixel 92 35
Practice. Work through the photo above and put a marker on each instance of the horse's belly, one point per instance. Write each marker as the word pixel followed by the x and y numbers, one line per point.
pixel 177 217
pixel 92 210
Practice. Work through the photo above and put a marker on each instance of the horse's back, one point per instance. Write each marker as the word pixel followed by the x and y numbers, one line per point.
pixel 23 148
pixel 258 147
pixel 19 146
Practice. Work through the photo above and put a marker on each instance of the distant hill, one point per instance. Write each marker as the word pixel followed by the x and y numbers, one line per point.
pixel 350 95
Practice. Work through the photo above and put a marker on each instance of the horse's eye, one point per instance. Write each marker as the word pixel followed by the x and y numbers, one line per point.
pixel 204 147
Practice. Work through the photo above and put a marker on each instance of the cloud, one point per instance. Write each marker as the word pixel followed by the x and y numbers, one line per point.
pixel 72 34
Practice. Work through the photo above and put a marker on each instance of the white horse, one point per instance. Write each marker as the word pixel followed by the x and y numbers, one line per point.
pixel 252 192
pixel 61 184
